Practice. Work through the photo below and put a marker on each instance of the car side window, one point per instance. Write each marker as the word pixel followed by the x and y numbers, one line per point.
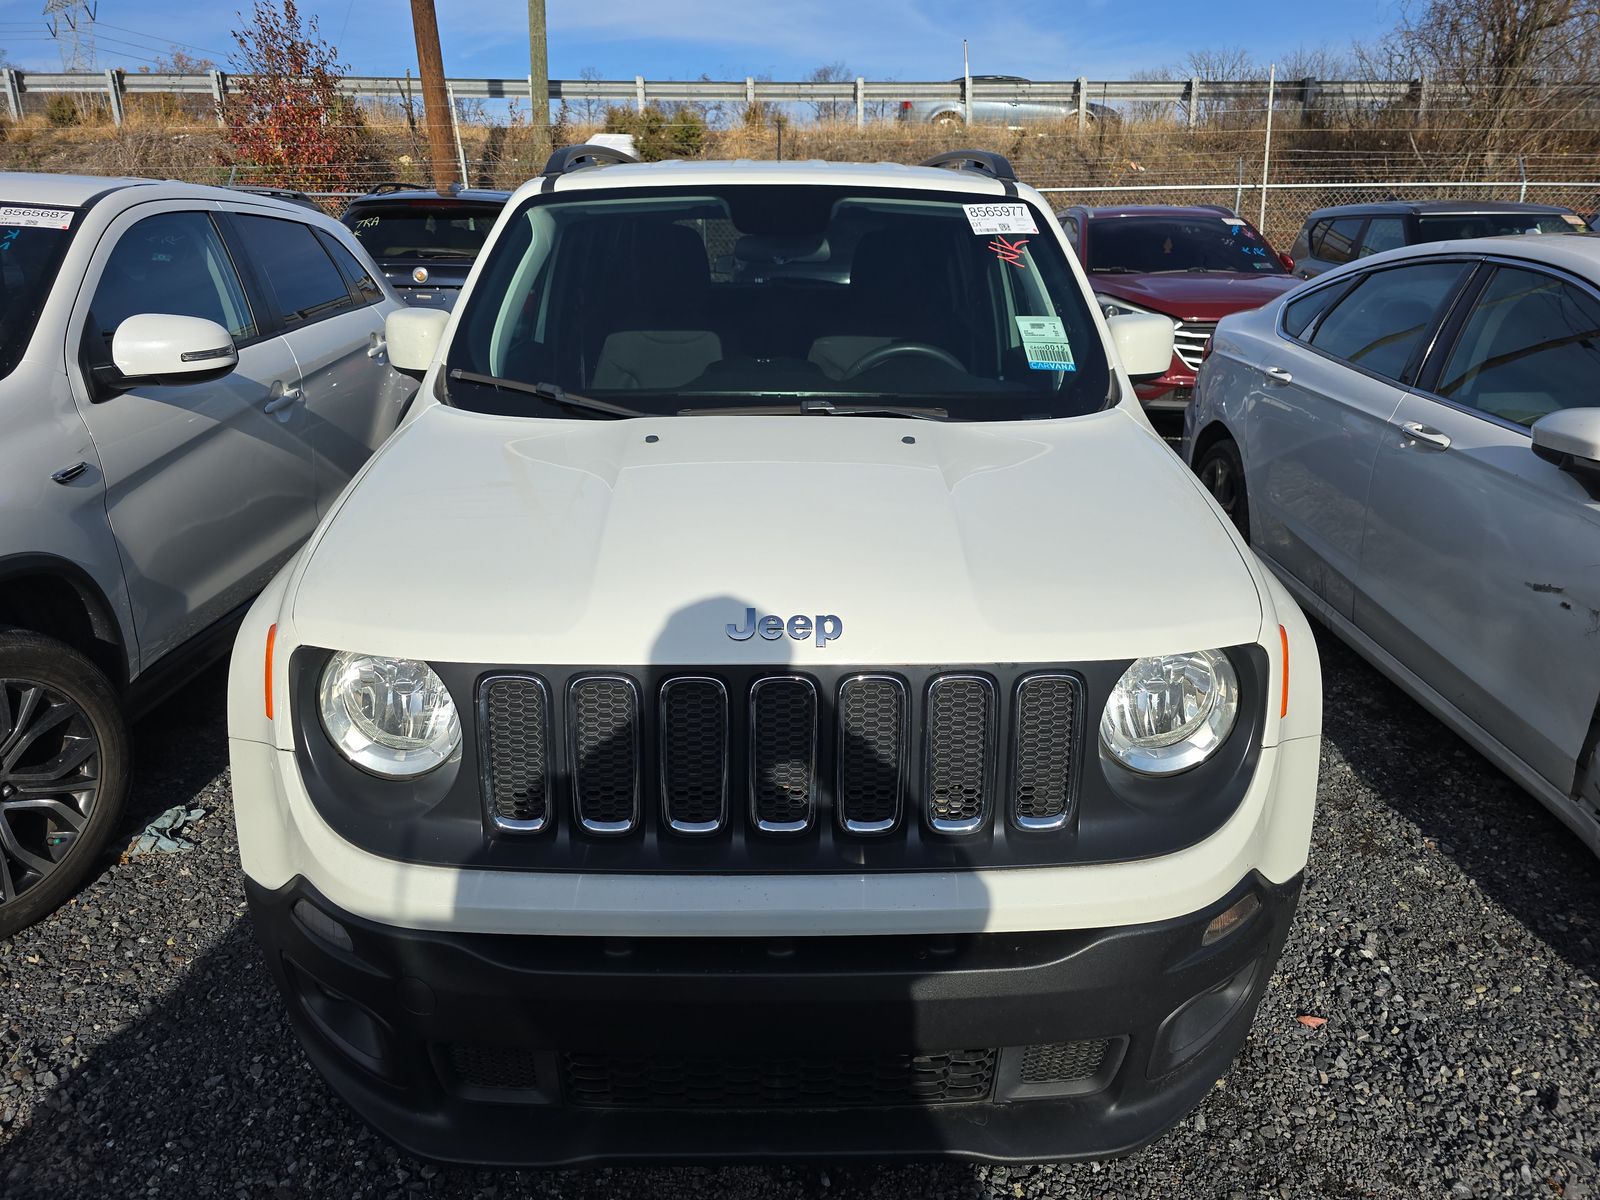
pixel 1299 315
pixel 1382 320
pixel 293 266
pixel 1338 241
pixel 366 287
pixel 1383 233
pixel 1530 346
pixel 170 263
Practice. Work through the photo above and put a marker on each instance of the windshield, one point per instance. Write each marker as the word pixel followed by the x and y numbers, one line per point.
pixel 32 241
pixel 1155 245
pixel 1442 227
pixel 422 229
pixel 778 298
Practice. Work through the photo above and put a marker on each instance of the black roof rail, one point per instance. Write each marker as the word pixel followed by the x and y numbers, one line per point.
pixel 576 158
pixel 288 194
pixel 984 162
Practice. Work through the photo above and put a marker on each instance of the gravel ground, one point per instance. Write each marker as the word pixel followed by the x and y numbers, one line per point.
pixel 1449 934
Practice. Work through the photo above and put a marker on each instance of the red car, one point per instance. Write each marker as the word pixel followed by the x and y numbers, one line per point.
pixel 1195 265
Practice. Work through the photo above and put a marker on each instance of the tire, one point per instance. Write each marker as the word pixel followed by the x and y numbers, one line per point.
pixel 65 760
pixel 949 120
pixel 1221 471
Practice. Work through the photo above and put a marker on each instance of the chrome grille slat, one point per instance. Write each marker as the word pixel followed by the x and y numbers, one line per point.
pixel 1044 732
pixel 514 725
pixel 873 712
pixel 603 735
pixel 694 754
pixel 960 753
pixel 783 753
pixel 1189 340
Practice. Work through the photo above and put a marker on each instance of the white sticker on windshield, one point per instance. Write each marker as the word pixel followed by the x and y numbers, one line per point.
pixel 1232 221
pixel 1044 341
pixel 35 218
pixel 1000 218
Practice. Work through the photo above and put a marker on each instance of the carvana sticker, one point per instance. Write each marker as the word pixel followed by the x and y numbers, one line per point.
pixel 1000 218
pixel 35 218
pixel 1044 340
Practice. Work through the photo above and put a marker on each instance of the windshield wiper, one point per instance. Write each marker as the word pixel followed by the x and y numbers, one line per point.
pixel 440 254
pixel 547 391
pixel 1112 271
pixel 824 408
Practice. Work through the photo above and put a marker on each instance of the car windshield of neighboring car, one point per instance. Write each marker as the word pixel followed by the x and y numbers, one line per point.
pixel 32 241
pixel 1447 227
pixel 1162 245
pixel 422 229
pixel 780 298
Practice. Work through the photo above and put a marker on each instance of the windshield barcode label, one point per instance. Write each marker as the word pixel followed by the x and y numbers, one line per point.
pixel 35 218
pixel 1044 341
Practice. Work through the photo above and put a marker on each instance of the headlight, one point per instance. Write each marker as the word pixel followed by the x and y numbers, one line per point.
pixel 390 716
pixel 1171 713
pixel 1110 306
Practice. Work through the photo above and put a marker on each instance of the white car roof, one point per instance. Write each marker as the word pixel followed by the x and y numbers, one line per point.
pixel 73 191
pixel 675 173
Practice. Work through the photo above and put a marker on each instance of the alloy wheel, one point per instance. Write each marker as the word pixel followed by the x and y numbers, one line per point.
pixel 49 781
pixel 1218 478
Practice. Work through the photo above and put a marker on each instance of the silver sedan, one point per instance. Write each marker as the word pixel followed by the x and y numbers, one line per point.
pixel 1412 443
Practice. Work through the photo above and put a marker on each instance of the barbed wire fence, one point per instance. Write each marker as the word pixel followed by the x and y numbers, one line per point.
pixel 1195 141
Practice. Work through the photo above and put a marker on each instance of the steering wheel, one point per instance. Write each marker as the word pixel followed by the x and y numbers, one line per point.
pixel 883 354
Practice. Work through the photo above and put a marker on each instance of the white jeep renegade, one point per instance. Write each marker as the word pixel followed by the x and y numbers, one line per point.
pixel 775 695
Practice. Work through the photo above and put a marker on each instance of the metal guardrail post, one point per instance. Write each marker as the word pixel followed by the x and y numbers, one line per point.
pixel 219 92
pixel 114 93
pixel 13 85
pixel 1082 95
pixel 749 92
pixel 638 92
pixel 1194 102
pixel 861 102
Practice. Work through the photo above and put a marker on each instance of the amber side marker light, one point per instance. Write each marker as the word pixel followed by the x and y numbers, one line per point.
pixel 1226 922
pixel 272 636
pixel 1283 636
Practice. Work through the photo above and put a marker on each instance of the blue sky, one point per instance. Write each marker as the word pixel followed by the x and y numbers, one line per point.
pixel 899 39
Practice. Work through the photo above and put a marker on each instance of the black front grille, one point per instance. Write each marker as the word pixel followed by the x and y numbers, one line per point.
pixel 777 1081
pixel 783 753
pixel 960 760
pixel 497 1068
pixel 516 720
pixel 1063 1062
pixel 694 754
pixel 872 752
pixel 604 723
pixel 1045 732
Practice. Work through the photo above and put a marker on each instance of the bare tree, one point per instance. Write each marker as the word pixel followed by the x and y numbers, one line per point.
pixel 834 72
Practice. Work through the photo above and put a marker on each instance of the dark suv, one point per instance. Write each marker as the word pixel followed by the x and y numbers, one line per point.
pixel 1332 237
pixel 1194 264
pixel 425 241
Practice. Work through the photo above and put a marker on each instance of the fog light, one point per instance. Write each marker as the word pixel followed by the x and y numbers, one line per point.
pixel 322 925
pixel 1225 923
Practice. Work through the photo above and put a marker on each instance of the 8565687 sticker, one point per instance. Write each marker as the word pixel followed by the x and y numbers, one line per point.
pixel 16 215
pixel 1044 341
pixel 1000 218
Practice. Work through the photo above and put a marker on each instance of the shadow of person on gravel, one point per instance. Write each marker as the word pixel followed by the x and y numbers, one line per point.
pixel 1465 808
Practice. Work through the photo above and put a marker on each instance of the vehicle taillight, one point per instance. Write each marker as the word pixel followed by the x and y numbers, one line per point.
pixel 905 106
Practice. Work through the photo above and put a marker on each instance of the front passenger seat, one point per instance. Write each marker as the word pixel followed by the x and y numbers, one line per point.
pixel 659 342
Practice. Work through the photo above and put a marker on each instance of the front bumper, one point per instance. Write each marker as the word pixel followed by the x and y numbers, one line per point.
pixel 550 1050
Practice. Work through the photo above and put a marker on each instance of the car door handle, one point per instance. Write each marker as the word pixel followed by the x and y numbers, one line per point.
pixel 376 345
pixel 280 400
pixel 1279 375
pixel 1424 437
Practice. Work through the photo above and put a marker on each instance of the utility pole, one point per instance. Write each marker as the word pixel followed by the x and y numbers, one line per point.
pixel 436 112
pixel 538 67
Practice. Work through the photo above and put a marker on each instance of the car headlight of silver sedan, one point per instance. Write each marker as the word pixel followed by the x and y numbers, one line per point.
pixel 390 716
pixel 1172 712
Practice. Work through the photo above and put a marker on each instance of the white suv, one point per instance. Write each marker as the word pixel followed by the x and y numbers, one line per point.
pixel 775 695
pixel 188 377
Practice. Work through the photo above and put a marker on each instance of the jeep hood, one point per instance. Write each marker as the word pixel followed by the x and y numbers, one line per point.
pixel 487 539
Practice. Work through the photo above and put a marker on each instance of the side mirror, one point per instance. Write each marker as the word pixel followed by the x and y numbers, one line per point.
pixel 1569 438
pixel 1143 341
pixel 414 335
pixel 164 348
